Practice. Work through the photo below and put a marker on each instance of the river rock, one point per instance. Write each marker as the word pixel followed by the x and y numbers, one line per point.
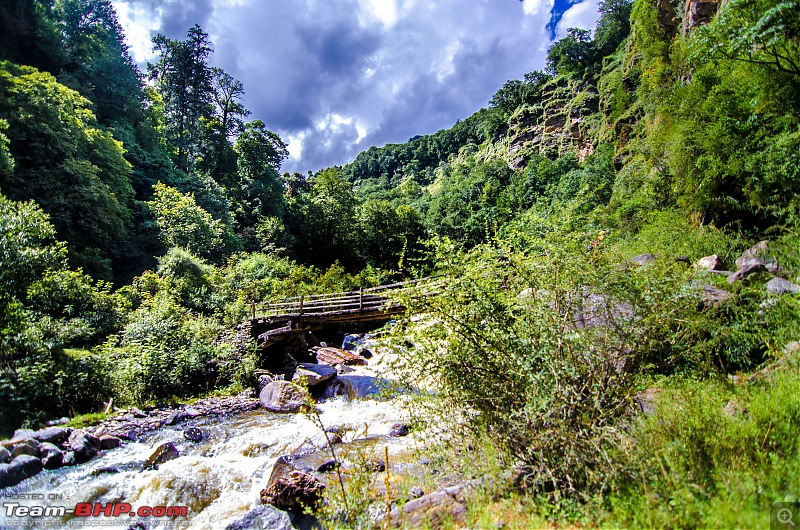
pixel 708 263
pixel 433 510
pixel 5 455
pixel 164 453
pixel 59 421
pixel 69 458
pixel 339 387
pixel 781 286
pixel 22 434
pixel 26 465
pixel 180 415
pixel 52 457
pixel 333 356
pixel 109 442
pixel 26 447
pixel 314 373
pixel 398 429
pixel 261 518
pixel 294 491
pixel 193 434
pixel 85 446
pixel 283 396
pixel 53 435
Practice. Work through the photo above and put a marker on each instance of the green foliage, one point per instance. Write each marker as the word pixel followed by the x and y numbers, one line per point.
pixel 713 455
pixel 75 170
pixel 185 224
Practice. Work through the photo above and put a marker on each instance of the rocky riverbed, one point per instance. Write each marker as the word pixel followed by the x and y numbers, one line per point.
pixel 217 456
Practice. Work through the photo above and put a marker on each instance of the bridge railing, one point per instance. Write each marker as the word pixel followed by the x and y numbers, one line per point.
pixel 370 299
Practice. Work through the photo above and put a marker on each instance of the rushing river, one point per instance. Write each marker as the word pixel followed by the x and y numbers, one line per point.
pixel 218 479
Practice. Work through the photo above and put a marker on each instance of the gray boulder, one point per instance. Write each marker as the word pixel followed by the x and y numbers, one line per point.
pixel 85 446
pixel 433 510
pixel 5 455
pixel 749 267
pixel 52 457
pixel 109 442
pixel 164 453
pixel 314 374
pixel 781 286
pixel 53 435
pixel 26 447
pixel 708 263
pixel 756 252
pixel 262 517
pixel 22 467
pixel 283 396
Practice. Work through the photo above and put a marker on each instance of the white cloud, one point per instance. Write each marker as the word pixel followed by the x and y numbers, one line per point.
pixel 333 78
pixel 535 7
pixel 583 15
pixel 139 24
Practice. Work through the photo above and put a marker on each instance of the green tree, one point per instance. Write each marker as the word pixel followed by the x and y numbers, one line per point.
pixel 73 168
pixel 186 225
pixel 258 190
pixel 184 79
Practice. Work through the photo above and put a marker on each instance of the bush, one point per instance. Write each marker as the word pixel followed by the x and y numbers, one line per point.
pixel 541 341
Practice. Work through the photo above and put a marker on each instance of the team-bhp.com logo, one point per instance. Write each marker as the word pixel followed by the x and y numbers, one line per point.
pixel 86 509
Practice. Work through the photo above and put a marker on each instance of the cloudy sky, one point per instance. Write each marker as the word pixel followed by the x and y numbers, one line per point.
pixel 334 77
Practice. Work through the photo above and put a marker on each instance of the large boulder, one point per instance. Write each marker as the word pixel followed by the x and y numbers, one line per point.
pixel 757 251
pixel 294 491
pixel 22 467
pixel 262 517
pixel 749 267
pixel 52 457
pixel 83 445
pixel 339 387
pixel 283 396
pixel 314 374
pixel 164 453
pixel 5 455
pixel 53 435
pixel 109 442
pixel 26 447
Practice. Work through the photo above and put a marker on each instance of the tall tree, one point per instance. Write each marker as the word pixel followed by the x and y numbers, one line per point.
pixel 184 79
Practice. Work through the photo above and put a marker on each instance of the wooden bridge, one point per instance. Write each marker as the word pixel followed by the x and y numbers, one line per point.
pixel 276 321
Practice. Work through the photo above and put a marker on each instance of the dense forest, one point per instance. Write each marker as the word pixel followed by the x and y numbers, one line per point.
pixel 141 213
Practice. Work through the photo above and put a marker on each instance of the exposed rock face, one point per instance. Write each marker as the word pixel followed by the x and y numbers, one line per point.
pixel 556 127
pixel 643 259
pixel 291 489
pixel 698 13
pixel 283 396
pixel 164 453
pixel 53 435
pixel 314 374
pixel 339 387
pixel 263 517
pixel 667 18
pixel 109 442
pixel 193 434
pixel 757 254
